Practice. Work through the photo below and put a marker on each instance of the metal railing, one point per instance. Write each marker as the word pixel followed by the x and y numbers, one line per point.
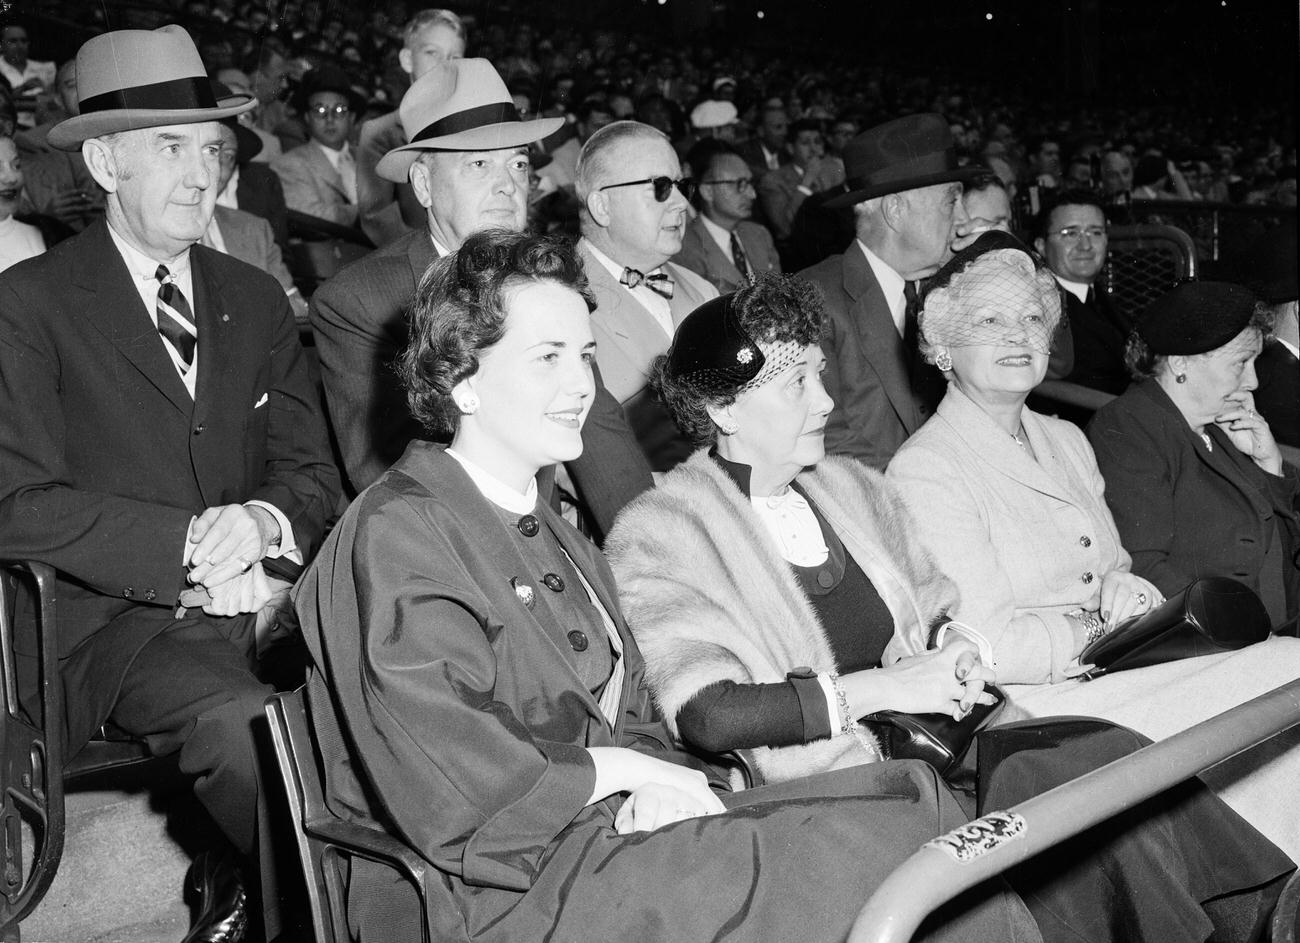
pixel 939 871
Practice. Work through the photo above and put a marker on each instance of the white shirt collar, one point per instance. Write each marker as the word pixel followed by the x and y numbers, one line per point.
pixel 656 304
pixel 438 247
pixel 893 285
pixel 1295 351
pixel 332 155
pixel 1078 289
pixel 497 491
pixel 144 268
pixel 229 197
pixel 721 236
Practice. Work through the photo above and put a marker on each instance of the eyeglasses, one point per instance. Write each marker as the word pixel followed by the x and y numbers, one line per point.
pixel 663 187
pixel 1075 233
pixel 325 111
pixel 740 183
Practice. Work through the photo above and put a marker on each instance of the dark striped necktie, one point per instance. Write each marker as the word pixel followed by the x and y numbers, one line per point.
pixel 175 319
pixel 739 258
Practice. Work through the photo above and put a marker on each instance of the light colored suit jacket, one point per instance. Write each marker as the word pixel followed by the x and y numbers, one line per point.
pixel 702 255
pixel 387 210
pixel 1026 541
pixel 628 340
pixel 249 238
pixel 866 363
pixel 313 186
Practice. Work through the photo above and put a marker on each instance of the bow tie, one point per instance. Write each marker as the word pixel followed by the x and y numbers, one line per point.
pixel 658 282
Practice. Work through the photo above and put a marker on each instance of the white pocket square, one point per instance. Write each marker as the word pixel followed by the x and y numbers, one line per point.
pixel 261 402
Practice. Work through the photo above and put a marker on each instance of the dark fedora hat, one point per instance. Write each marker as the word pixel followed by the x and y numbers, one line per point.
pixel 904 154
pixel 327 77
pixel 248 144
pixel 1195 318
pixel 136 78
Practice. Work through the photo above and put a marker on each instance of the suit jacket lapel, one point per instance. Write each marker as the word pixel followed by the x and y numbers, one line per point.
pixel 717 260
pixel 879 337
pixel 324 170
pixel 118 313
pixel 218 363
pixel 421 254
pixel 624 324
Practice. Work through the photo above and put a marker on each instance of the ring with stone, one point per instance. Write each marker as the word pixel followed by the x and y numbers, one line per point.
pixel 1141 597
pixel 245 565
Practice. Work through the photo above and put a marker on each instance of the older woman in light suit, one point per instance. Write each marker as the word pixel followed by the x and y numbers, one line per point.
pixel 1012 505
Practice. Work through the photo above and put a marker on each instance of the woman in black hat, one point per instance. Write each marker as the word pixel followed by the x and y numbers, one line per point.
pixel 767 584
pixel 1195 481
pixel 1011 504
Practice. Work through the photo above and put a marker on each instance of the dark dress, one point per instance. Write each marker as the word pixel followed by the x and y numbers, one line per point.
pixel 1175 852
pixel 454 708
pixel 1186 511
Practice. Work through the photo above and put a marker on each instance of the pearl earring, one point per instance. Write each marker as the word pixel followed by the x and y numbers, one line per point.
pixel 467 404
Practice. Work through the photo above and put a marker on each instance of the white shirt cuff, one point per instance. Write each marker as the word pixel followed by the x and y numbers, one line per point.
pixel 966 632
pixel 287 547
pixel 832 704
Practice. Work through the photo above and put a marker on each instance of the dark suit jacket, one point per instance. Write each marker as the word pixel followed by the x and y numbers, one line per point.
pixel 104 457
pixel 359 318
pixel 817 232
pixel 259 192
pixel 1185 512
pixel 876 408
pixel 1278 395
pixel 1098 332
pixel 701 254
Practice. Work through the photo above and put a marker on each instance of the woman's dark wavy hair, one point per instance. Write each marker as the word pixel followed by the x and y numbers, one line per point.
pixel 459 311
pixel 772 309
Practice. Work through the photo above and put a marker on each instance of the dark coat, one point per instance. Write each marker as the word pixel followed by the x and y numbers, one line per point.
pixel 1278 395
pixel 259 192
pixel 467 729
pixel 1098 332
pixel 1186 512
pixel 104 457
pixel 359 319
pixel 876 408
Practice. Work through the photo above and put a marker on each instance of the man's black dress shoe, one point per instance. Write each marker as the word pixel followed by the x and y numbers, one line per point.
pixel 223 906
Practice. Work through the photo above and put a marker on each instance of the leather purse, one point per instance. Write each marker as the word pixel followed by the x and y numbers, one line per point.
pixel 1210 615
pixel 936 738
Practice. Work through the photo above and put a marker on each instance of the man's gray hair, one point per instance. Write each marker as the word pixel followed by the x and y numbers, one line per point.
pixel 594 164
pixel 432 16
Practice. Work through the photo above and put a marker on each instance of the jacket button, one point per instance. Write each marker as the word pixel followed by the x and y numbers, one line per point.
pixel 1088 577
pixel 528 526
pixel 128 592
pixel 198 430
pixel 553 583
pixel 578 641
pixel 150 595
pixel 1085 541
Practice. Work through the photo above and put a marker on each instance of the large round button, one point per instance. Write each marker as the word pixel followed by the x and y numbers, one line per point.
pixel 578 641
pixel 1085 541
pixel 553 583
pixel 825 579
pixel 528 526
pixel 1088 577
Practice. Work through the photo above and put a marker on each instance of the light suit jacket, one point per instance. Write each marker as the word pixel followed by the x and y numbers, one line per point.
pixel 250 239
pixel 313 186
pixel 1026 541
pixel 705 258
pixel 628 340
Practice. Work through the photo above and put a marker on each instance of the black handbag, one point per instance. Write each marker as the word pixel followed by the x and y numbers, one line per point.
pixel 1211 615
pixel 936 738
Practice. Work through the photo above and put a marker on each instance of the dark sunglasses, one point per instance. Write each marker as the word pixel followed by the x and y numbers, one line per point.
pixel 663 187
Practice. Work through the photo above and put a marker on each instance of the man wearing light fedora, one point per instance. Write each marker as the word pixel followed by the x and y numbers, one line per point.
pixel 905 187
pixel 161 444
pixel 467 162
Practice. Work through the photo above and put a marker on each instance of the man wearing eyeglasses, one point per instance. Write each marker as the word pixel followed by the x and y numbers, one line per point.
pixel 320 177
pixel 1072 238
pixel 633 216
pixel 721 244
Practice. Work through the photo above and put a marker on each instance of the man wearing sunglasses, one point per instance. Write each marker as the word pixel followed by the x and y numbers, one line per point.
pixel 320 177
pixel 721 244
pixel 634 210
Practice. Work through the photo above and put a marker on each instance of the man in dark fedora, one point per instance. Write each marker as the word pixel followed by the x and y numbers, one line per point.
pixel 320 177
pixel 904 186
pixel 161 444
pixel 467 162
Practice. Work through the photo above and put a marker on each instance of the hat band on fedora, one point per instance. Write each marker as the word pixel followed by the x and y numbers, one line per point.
pixel 193 92
pixel 468 120
pixel 912 169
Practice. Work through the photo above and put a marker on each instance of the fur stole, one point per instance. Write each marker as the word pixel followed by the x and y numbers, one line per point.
pixel 709 597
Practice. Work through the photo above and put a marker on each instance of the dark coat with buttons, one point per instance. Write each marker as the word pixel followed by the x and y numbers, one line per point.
pixel 454 716
pixel 1185 511
pixel 1026 539
pixel 105 458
